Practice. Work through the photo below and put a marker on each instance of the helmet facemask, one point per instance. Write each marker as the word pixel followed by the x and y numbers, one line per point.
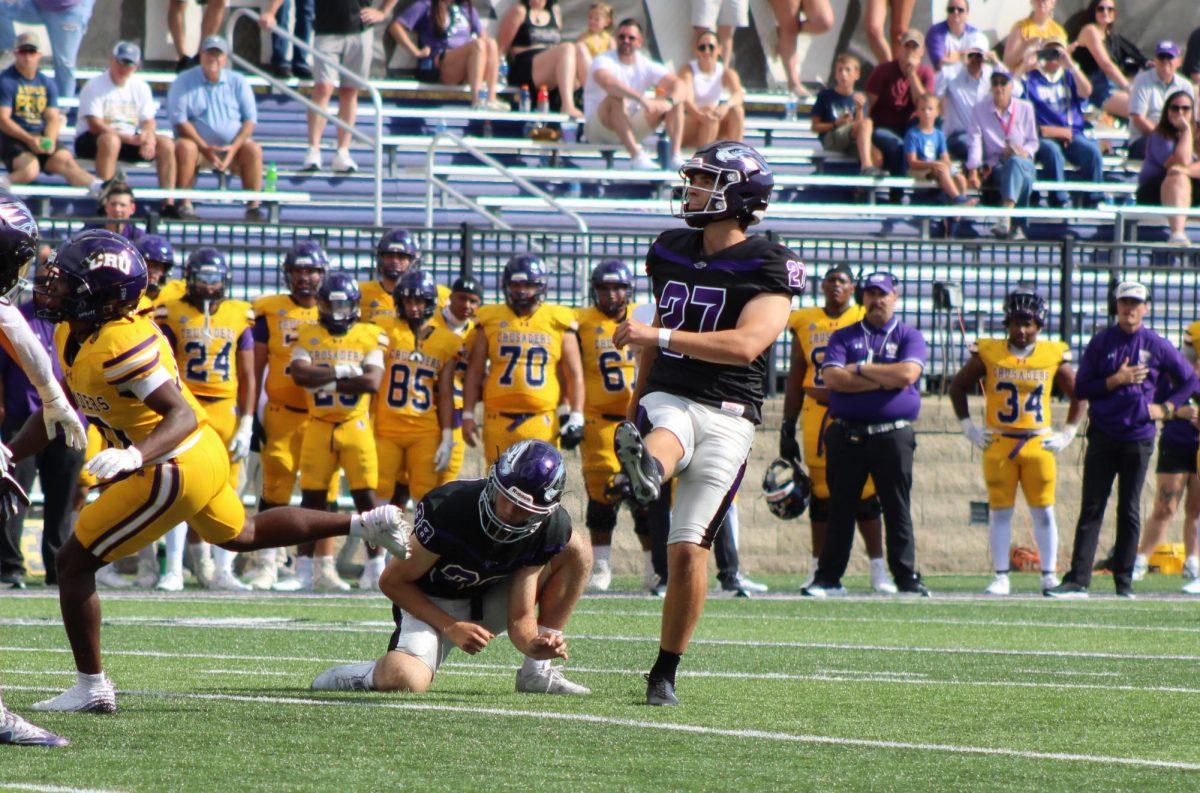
pixel 338 311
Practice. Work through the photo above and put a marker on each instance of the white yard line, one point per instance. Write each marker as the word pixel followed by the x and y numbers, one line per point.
pixel 50 788
pixel 752 735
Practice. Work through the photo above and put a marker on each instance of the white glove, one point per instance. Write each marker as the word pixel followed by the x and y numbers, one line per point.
pixel 58 414
pixel 1058 441
pixel 239 447
pixel 441 458
pixel 343 371
pixel 978 436
pixel 112 462
pixel 5 457
pixel 324 388
pixel 574 423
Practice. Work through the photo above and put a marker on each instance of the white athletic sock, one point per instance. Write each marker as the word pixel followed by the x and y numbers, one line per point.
pixel 878 565
pixel 648 561
pixel 375 564
pixel 223 559
pixel 601 553
pixel 89 681
pixel 533 665
pixel 1143 558
pixel 266 557
pixel 1000 537
pixel 731 522
pixel 176 540
pixel 199 551
pixel 1045 534
pixel 304 568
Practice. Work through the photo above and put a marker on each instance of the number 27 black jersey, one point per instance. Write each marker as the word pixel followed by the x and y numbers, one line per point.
pixel 700 293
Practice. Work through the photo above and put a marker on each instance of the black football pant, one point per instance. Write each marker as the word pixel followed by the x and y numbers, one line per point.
pixel 852 456
pixel 1108 459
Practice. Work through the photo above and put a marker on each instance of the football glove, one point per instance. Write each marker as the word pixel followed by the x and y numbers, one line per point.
pixel 12 496
pixel 789 447
pixel 571 434
pixel 441 458
pixel 977 435
pixel 113 462
pixel 239 447
pixel 1057 441
pixel 344 371
pixel 57 414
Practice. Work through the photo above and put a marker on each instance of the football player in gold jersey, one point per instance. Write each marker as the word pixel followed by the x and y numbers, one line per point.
pixel 210 336
pixel 1018 373
pixel 338 361
pixel 160 260
pixel 807 397
pixel 396 253
pixel 163 464
pixel 458 317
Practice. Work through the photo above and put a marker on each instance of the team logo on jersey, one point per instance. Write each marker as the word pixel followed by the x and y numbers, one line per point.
pixel 183 320
pixel 504 323
pixel 314 340
pixel 599 329
pixel 374 304
pixel 1144 357
pixel 891 348
pixel 699 265
pixel 415 357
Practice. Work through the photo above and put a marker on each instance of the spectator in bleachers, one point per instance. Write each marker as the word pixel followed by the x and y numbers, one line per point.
pixel 454 47
pixel 884 44
pixel 1001 142
pixel 66 24
pixel 1057 88
pixel 1028 35
pixel 839 116
pixel 342 33
pixel 968 88
pixel 596 39
pixel 615 102
pixel 925 150
pixel 302 27
pixel 723 16
pixel 116 122
pixel 531 38
pixel 713 96
pixel 30 123
pixel 214 114
pixel 793 17
pixel 1109 60
pixel 946 42
pixel 1170 173
pixel 210 24
pixel 1148 94
pixel 1191 60
pixel 893 90
pixel 118 205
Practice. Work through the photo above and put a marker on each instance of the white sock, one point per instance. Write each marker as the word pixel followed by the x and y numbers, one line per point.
pixel 304 568
pixel 601 553
pixel 96 185
pixel 375 564
pixel 369 680
pixel 148 555
pixel 199 551
pixel 176 541
pixel 89 681
pixel 1193 560
pixel 878 566
pixel 223 559
pixel 533 665
pixel 266 557
pixel 1045 534
pixel 813 567
pixel 1000 537
pixel 1142 558
pixel 648 561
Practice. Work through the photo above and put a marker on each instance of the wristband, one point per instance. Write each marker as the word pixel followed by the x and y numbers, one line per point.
pixel 664 338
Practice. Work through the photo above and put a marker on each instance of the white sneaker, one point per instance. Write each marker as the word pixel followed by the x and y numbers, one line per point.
pixel 343 162
pixel 1049 581
pixel 369 580
pixel 1191 568
pixel 383 527
pixel 226 581
pixel 206 571
pixel 548 681
pixel 263 578
pixel 1000 229
pixel 678 161
pixel 1141 566
pixel 347 677
pixel 312 159
pixel 881 579
pixel 649 577
pixel 108 576
pixel 1000 585
pixel 83 699
pixel 290 584
pixel 147 575
pixel 1180 239
pixel 171 582
pixel 1192 587
pixel 15 731
pixel 325 576
pixel 642 162
pixel 601 578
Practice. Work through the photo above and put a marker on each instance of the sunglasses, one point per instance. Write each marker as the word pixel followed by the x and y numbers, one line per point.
pixel 1164 57
pixel 706 47
pixel 955 10
pixel 978 55
pixel 1106 9
pixel 27 51
pixel 1181 108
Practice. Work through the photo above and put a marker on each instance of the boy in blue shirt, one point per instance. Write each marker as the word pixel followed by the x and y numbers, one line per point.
pixel 925 150
pixel 839 116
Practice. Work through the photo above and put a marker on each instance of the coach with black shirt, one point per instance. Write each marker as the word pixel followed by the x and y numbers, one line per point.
pixel 1118 374
pixel 871 369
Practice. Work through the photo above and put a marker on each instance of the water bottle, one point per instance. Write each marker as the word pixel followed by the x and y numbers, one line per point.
pixel 272 178
pixel 664 151
pixel 543 99
pixel 526 101
pixel 502 79
pixel 789 109
pixel 483 96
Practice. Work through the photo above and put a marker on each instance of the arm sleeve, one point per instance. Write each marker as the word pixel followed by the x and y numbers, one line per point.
pixel 300 354
pixel 1181 373
pixel 246 103
pixel 935 45
pixel 912 142
pixel 821 108
pixel 912 348
pixel 412 16
pixel 1139 97
pixel 176 113
pixel 373 358
pixel 168 334
pixel 928 77
pixel 51 93
pixel 89 104
pixel 261 331
pixel 147 107
pixel 29 352
pixel 6 93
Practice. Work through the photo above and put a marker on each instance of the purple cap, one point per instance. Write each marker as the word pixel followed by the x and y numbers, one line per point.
pixel 884 282
pixel 127 52
pixel 1167 47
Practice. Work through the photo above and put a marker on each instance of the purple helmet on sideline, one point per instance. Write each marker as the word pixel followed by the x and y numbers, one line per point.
pixel 105 276
pixel 400 241
pixel 156 249
pixel 337 302
pixel 18 242
pixel 524 269
pixel 611 271
pixel 418 285
pixel 208 267
pixel 742 184
pixel 1026 302
pixel 304 255
pixel 530 474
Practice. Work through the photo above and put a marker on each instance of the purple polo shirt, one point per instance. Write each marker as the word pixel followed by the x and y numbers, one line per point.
pixel 863 343
pixel 21 399
pixel 1123 413
pixel 1178 432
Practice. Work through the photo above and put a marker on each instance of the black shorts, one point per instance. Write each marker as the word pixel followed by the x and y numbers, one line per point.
pixel 520 71
pixel 1149 191
pixel 85 149
pixel 11 149
pixel 1175 459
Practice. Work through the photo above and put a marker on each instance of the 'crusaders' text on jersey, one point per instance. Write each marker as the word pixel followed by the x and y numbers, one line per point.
pixel 700 293
pixel 449 523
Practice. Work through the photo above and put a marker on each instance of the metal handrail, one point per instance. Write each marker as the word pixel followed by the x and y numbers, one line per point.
pixel 276 84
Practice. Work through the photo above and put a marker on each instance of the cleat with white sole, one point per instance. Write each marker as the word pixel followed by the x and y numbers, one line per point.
pixel 384 527
pixel 108 576
pixel 82 699
pixel 601 578
pixel 637 464
pixel 15 731
pixel 170 582
pixel 549 680
pixel 226 581
pixel 1000 585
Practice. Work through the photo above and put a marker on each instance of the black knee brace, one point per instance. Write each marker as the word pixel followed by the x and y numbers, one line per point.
pixel 600 516
pixel 869 509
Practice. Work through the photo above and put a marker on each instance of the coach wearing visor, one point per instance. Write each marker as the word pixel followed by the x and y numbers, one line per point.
pixel 871 369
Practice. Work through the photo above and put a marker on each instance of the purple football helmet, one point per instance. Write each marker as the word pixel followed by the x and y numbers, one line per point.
pixel 787 489
pixel 104 276
pixel 524 269
pixel 207 267
pixel 156 249
pixel 741 189
pixel 18 242
pixel 530 474
pixel 304 255
pixel 611 271
pixel 398 241
pixel 337 302
pixel 1026 302
pixel 416 285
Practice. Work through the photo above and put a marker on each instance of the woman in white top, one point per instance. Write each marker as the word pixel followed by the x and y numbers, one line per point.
pixel 713 105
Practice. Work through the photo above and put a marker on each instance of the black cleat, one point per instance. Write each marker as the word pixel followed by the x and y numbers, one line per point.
pixel 914 588
pixel 645 478
pixel 660 691
pixel 1067 590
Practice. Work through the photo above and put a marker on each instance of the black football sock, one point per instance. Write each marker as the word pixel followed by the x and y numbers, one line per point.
pixel 665 666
